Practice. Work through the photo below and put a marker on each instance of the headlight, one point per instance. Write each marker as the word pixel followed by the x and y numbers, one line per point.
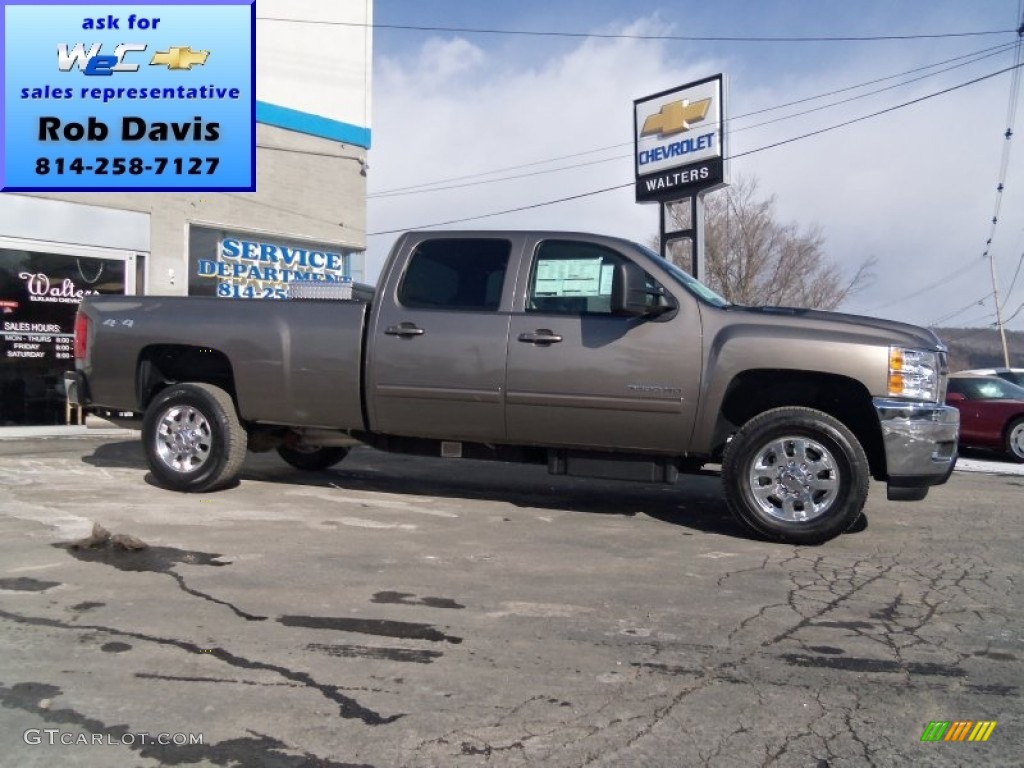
pixel 913 373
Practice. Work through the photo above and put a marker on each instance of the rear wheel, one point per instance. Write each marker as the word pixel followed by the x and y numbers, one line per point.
pixel 796 475
pixel 312 459
pixel 193 439
pixel 1015 440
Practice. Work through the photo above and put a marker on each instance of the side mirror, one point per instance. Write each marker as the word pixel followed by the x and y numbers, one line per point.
pixel 956 397
pixel 630 294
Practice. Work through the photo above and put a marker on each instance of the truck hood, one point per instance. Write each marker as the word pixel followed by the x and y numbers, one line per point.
pixel 888 331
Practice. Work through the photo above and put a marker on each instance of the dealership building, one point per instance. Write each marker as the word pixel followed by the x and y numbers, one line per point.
pixel 312 136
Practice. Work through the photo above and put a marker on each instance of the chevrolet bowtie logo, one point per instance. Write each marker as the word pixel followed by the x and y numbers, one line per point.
pixel 676 117
pixel 180 57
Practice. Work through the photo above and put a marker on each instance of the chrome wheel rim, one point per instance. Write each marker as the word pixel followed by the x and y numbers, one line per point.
pixel 794 479
pixel 1017 440
pixel 183 438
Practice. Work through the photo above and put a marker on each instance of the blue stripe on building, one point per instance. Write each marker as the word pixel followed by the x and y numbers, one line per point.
pixel 315 125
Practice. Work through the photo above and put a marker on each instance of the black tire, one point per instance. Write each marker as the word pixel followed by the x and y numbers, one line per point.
pixel 312 459
pixel 795 475
pixel 193 439
pixel 1015 440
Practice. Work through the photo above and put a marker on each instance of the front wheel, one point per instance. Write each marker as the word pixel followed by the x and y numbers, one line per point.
pixel 193 439
pixel 796 475
pixel 1015 440
pixel 312 459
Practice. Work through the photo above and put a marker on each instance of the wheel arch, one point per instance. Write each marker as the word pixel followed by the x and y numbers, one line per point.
pixel 161 365
pixel 755 391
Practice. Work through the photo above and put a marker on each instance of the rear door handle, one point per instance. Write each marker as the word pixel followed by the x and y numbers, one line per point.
pixel 540 336
pixel 404 329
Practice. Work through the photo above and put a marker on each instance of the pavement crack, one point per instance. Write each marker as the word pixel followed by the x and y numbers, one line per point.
pixel 255 749
pixel 157 560
pixel 831 604
pixel 348 707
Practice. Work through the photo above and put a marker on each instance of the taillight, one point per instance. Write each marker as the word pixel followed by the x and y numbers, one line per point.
pixel 81 336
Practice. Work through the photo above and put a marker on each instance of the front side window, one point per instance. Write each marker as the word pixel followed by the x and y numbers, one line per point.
pixel 456 273
pixel 574 278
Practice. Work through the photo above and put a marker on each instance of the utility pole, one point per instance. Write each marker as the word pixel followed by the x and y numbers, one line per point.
pixel 999 311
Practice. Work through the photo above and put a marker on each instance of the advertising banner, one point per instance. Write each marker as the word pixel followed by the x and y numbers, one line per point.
pixel 146 96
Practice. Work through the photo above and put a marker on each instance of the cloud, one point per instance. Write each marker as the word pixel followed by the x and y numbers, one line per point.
pixel 915 187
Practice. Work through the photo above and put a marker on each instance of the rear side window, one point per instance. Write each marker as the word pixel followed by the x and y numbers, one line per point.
pixel 463 274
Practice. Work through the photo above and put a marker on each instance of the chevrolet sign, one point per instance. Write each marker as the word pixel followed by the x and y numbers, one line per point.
pixel 679 139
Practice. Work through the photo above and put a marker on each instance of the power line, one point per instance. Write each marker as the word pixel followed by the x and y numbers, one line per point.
pixel 1011 109
pixel 1016 312
pixel 989 319
pixel 431 187
pixel 951 315
pixel 981 54
pixel 739 155
pixel 783 142
pixel 880 112
pixel 499 213
pixel 940 281
pixel 625 36
pixel 1004 163
pixel 1016 274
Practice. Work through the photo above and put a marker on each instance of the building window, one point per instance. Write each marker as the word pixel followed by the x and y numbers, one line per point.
pixel 39 295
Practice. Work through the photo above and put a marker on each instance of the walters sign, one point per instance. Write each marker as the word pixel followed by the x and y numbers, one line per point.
pixel 679 141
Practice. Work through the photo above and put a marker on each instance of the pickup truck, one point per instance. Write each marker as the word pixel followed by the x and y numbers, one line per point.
pixel 590 354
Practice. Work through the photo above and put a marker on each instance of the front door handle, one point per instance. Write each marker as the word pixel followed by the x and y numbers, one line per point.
pixel 540 336
pixel 404 329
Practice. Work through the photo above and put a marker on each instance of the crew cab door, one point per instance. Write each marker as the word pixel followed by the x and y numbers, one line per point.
pixel 436 365
pixel 579 375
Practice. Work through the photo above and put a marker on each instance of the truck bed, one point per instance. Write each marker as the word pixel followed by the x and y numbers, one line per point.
pixel 293 362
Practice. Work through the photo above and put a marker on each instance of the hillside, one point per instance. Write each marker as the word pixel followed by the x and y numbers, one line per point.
pixel 981 347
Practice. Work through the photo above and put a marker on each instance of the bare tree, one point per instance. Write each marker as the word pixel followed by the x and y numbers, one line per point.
pixel 750 257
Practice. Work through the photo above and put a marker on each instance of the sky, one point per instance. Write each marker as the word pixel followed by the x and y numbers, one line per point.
pixel 915 187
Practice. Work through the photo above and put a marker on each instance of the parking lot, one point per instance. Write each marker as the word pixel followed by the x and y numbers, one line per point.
pixel 422 612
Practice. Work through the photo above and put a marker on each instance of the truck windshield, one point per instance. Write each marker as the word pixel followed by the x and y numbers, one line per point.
pixel 691 284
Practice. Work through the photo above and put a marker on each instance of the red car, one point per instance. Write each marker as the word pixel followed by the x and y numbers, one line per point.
pixel 991 413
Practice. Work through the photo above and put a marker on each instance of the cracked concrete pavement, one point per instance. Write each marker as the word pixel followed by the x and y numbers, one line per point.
pixel 422 612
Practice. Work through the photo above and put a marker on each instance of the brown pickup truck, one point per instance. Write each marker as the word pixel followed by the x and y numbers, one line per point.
pixel 590 354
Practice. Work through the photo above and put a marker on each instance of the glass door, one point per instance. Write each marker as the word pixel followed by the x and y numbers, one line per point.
pixel 41 286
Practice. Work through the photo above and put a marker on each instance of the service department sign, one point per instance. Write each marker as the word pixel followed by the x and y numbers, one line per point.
pixel 679 141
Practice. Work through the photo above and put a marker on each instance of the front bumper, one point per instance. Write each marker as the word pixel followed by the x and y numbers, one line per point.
pixel 920 442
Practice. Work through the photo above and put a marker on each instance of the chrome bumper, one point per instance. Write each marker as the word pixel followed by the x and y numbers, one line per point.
pixel 920 441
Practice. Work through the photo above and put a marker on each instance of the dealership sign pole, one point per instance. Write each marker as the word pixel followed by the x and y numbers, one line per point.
pixel 679 155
